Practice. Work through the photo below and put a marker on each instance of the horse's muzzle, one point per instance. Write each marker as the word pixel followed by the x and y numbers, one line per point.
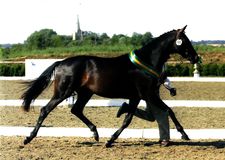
pixel 196 59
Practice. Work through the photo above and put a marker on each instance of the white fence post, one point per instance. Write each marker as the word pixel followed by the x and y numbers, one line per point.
pixel 196 72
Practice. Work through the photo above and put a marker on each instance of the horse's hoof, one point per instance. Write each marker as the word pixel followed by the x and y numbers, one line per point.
pixel 96 137
pixel 26 141
pixel 108 144
pixel 185 137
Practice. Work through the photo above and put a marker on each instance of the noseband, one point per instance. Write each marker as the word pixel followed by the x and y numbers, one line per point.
pixel 143 66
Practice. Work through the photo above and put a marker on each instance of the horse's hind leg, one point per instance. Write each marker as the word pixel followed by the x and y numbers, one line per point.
pixel 128 118
pixel 126 123
pixel 43 114
pixel 62 90
pixel 83 97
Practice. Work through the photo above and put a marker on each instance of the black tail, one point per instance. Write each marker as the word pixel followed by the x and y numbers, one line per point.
pixel 35 87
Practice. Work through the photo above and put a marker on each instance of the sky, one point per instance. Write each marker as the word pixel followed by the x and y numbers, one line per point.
pixel 20 18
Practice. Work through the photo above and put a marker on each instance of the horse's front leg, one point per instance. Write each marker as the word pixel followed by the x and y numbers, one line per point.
pixel 126 123
pixel 178 125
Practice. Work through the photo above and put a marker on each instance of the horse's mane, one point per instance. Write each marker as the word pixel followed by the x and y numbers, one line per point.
pixel 154 42
pixel 166 34
pixel 163 36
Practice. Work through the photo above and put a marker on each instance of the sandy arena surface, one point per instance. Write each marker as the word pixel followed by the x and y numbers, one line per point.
pixel 185 90
pixel 12 148
pixel 106 117
pixel 86 149
pixel 41 148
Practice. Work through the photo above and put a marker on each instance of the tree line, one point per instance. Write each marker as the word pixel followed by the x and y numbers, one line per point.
pixel 47 41
pixel 48 38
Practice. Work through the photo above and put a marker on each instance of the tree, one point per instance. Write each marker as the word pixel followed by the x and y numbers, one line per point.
pixel 41 39
pixel 16 48
pixel 115 39
pixel 1 52
pixel 4 53
pixel 136 39
pixel 146 38
pixel 65 39
pixel 118 39
pixel 89 38
pixel 104 38
pixel 60 40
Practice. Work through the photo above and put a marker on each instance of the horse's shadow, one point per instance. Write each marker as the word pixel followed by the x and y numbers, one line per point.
pixel 89 144
pixel 217 144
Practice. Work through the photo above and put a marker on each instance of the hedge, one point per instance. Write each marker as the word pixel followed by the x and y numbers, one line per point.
pixel 17 69
pixel 179 70
pixel 212 70
pixel 172 70
pixel 205 70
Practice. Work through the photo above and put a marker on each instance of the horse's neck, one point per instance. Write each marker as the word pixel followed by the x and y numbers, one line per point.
pixel 157 52
pixel 154 56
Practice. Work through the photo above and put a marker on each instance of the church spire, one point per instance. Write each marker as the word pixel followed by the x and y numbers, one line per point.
pixel 78 35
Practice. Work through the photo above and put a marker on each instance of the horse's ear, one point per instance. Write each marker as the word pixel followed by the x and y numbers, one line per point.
pixel 179 31
pixel 182 30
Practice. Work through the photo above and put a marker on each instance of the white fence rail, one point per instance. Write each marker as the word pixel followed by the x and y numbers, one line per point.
pixel 118 102
pixel 107 132
pixel 175 79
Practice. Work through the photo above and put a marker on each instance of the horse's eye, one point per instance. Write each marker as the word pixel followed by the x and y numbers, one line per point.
pixel 186 52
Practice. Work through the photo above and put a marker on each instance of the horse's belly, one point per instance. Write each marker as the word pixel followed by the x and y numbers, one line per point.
pixel 114 90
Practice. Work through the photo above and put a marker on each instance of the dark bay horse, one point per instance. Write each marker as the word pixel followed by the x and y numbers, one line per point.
pixel 118 77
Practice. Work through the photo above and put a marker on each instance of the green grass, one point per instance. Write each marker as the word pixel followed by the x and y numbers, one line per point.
pixel 100 50
pixel 209 49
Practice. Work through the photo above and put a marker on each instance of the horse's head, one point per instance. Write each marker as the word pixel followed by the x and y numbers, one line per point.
pixel 183 46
